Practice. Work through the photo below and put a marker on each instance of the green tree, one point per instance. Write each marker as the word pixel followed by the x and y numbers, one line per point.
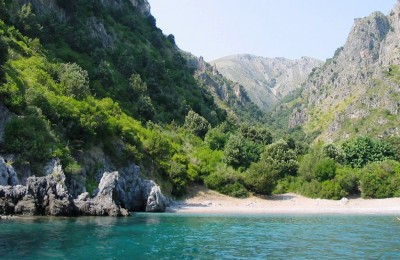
pixel 146 108
pixel 4 15
pixel 215 139
pixel 376 178
pixel 325 169
pixel 283 159
pixel 74 80
pixel 331 151
pixel 239 152
pixel 3 57
pixel 137 86
pixel 27 22
pixel 261 177
pixel 258 135
pixel 362 150
pixel 30 138
pixel 276 162
pixel 196 124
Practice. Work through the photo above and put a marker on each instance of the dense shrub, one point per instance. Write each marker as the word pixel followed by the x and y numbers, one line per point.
pixel 203 163
pixel 380 179
pixel 3 51
pixel 3 58
pixel 363 150
pixel 75 80
pixel 215 139
pixel 331 190
pixel 261 177
pixel 348 179
pixel 325 170
pixel 196 124
pixel 226 181
pixel 27 22
pixel 30 139
pixel 281 157
pixel 240 153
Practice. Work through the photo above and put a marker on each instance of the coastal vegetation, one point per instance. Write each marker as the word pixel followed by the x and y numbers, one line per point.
pixel 83 76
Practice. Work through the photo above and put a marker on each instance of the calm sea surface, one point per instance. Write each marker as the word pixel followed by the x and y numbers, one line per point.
pixel 174 236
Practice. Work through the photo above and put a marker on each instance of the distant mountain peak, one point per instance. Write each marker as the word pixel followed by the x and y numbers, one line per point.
pixel 266 80
pixel 353 92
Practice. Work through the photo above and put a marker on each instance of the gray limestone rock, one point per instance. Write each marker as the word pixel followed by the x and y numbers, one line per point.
pixel 5 116
pixel 48 195
pixel 27 206
pixel 8 176
pixel 106 202
pixel 156 201
pixel 130 189
pixel 51 195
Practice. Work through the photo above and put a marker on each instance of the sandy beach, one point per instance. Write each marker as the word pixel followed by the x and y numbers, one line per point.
pixel 202 200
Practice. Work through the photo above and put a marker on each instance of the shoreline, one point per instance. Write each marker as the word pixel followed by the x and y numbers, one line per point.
pixel 204 201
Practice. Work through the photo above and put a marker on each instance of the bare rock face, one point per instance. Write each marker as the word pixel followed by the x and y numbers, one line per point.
pixel 130 188
pixel 353 93
pixel 106 201
pixel 9 197
pixel 137 194
pixel 41 196
pixel 8 176
pixel 156 201
pixel 118 193
pixel 49 195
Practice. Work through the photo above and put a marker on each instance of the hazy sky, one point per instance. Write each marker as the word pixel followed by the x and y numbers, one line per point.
pixel 268 28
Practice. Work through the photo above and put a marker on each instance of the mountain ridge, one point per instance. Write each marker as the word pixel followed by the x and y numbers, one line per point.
pixel 267 80
pixel 354 86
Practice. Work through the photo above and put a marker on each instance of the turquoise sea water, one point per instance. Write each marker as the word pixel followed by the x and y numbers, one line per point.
pixel 174 236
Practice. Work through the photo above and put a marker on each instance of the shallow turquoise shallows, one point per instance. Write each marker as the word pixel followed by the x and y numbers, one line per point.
pixel 174 236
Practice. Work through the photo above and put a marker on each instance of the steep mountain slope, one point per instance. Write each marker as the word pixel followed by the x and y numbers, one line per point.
pixel 266 80
pixel 357 91
pixel 97 85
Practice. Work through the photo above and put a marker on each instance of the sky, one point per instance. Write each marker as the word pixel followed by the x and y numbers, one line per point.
pixel 267 28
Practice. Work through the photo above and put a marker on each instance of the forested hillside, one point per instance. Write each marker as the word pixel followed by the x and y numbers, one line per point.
pixel 98 86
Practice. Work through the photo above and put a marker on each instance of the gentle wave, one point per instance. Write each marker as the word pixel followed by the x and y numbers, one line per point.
pixel 174 236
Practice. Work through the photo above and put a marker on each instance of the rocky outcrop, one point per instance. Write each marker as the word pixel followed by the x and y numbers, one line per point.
pixel 41 196
pixel 106 202
pixel 11 196
pixel 136 194
pixel 118 193
pixel 8 176
pixel 223 89
pixel 155 200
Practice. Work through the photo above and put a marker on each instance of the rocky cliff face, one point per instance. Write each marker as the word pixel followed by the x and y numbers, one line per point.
pixel 117 194
pixel 266 80
pixel 353 92
pixel 5 116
